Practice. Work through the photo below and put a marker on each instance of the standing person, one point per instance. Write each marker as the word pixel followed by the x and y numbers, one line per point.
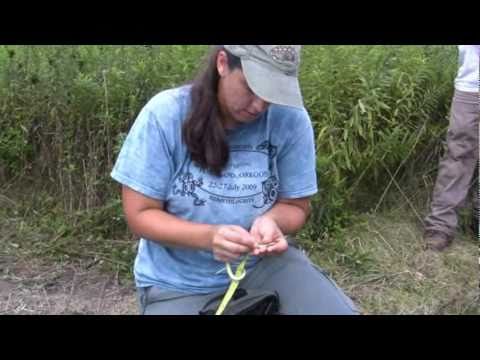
pixel 220 169
pixel 457 167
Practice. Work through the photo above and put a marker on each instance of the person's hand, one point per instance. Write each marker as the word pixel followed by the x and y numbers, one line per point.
pixel 229 242
pixel 269 239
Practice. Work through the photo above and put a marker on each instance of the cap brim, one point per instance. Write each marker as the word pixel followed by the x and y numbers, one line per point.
pixel 272 86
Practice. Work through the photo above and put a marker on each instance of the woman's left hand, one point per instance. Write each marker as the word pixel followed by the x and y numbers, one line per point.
pixel 268 237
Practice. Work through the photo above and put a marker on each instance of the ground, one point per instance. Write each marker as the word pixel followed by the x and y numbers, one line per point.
pixel 34 287
pixel 380 263
pixel 385 268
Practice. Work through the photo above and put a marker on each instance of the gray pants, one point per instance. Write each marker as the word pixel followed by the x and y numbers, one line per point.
pixel 303 289
pixel 457 167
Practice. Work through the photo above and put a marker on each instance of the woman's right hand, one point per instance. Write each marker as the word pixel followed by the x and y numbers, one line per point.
pixel 229 242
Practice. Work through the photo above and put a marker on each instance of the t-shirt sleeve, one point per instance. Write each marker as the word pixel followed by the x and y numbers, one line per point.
pixel 297 161
pixel 145 163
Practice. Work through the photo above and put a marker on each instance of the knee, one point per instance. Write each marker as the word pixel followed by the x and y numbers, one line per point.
pixel 462 143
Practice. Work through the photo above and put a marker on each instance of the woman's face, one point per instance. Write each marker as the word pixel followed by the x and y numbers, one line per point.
pixel 238 104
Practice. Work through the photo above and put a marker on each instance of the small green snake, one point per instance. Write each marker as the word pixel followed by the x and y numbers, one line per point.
pixel 239 275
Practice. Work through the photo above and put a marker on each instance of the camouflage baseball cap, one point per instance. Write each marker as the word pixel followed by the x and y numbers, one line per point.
pixel 271 71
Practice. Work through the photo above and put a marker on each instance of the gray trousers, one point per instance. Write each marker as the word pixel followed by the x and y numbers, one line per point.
pixel 457 167
pixel 303 289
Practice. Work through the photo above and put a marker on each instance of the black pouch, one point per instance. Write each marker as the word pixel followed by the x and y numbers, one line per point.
pixel 245 302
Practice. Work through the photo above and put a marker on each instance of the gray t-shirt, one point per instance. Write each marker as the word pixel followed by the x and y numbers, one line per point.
pixel 271 158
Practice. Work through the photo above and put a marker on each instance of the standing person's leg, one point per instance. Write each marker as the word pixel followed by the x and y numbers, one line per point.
pixel 303 288
pixel 475 203
pixel 455 170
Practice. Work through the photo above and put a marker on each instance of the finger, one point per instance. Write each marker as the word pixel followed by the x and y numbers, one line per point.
pixel 225 256
pixel 260 251
pixel 255 232
pixel 267 240
pixel 268 235
pixel 240 235
pixel 234 248
pixel 239 230
pixel 277 248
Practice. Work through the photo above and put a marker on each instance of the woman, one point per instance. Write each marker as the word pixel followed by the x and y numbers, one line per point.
pixel 221 169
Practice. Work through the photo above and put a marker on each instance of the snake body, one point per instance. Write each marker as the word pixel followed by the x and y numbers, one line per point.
pixel 239 275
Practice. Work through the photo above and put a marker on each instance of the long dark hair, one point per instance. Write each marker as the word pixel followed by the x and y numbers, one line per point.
pixel 203 131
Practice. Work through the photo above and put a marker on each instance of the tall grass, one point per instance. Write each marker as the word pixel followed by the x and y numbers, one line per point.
pixel 65 110
pixel 374 108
